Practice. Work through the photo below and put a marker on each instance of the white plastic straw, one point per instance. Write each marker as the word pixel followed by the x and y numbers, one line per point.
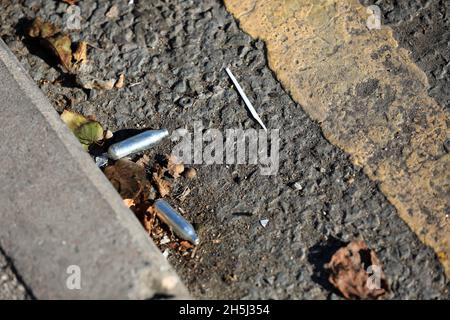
pixel 244 97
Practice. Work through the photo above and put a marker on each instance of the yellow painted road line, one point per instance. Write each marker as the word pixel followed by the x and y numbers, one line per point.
pixel 368 96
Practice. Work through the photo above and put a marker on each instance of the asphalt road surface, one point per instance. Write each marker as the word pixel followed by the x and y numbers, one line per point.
pixel 173 54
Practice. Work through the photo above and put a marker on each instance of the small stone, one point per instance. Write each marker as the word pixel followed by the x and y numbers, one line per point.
pixel 164 240
pixel 190 173
pixel 264 222
pixel 113 12
pixel 298 186
pixel 180 87
pixel 120 82
pixel 108 134
pixel 92 94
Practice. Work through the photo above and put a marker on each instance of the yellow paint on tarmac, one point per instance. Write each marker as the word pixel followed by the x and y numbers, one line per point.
pixel 368 96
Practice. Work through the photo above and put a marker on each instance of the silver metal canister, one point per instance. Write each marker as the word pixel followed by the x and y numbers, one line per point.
pixel 137 143
pixel 180 226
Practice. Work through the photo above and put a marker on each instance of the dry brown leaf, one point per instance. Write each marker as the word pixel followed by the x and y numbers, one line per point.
pixel 129 202
pixel 190 173
pixel 348 269
pixel 120 82
pixel 61 45
pixel 80 54
pixel 130 180
pixel 185 245
pixel 162 185
pixel 174 167
pixel 148 219
pixel 41 29
pixel 143 161
pixel 91 117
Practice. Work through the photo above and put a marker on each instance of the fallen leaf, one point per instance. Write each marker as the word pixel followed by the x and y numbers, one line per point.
pixel 80 54
pixel 120 82
pixel 86 129
pixel 61 46
pixel 185 245
pixel 41 29
pixel 162 185
pixel 89 133
pixel 89 82
pixel 73 119
pixel 130 180
pixel 129 202
pixel 190 173
pixel 148 219
pixel 174 166
pixel 143 161
pixel 349 272
pixel 71 2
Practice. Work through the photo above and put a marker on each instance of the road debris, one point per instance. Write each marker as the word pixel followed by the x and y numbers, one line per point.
pixel 165 240
pixel 174 167
pixel 90 82
pixel 129 202
pixel 41 29
pixel 190 173
pixel 87 130
pixel 356 272
pixel 244 97
pixel 184 194
pixel 108 134
pixel 120 82
pixel 140 192
pixel 73 61
pixel 180 226
pixel 130 180
pixel 185 245
pixel 298 186
pixel 264 222
pixel 135 84
pixel 80 54
pixel 101 160
pixel 137 143
pixel 143 161
pixel 59 43
pixel 163 186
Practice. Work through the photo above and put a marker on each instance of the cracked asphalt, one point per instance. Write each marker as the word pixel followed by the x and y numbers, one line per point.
pixel 173 54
